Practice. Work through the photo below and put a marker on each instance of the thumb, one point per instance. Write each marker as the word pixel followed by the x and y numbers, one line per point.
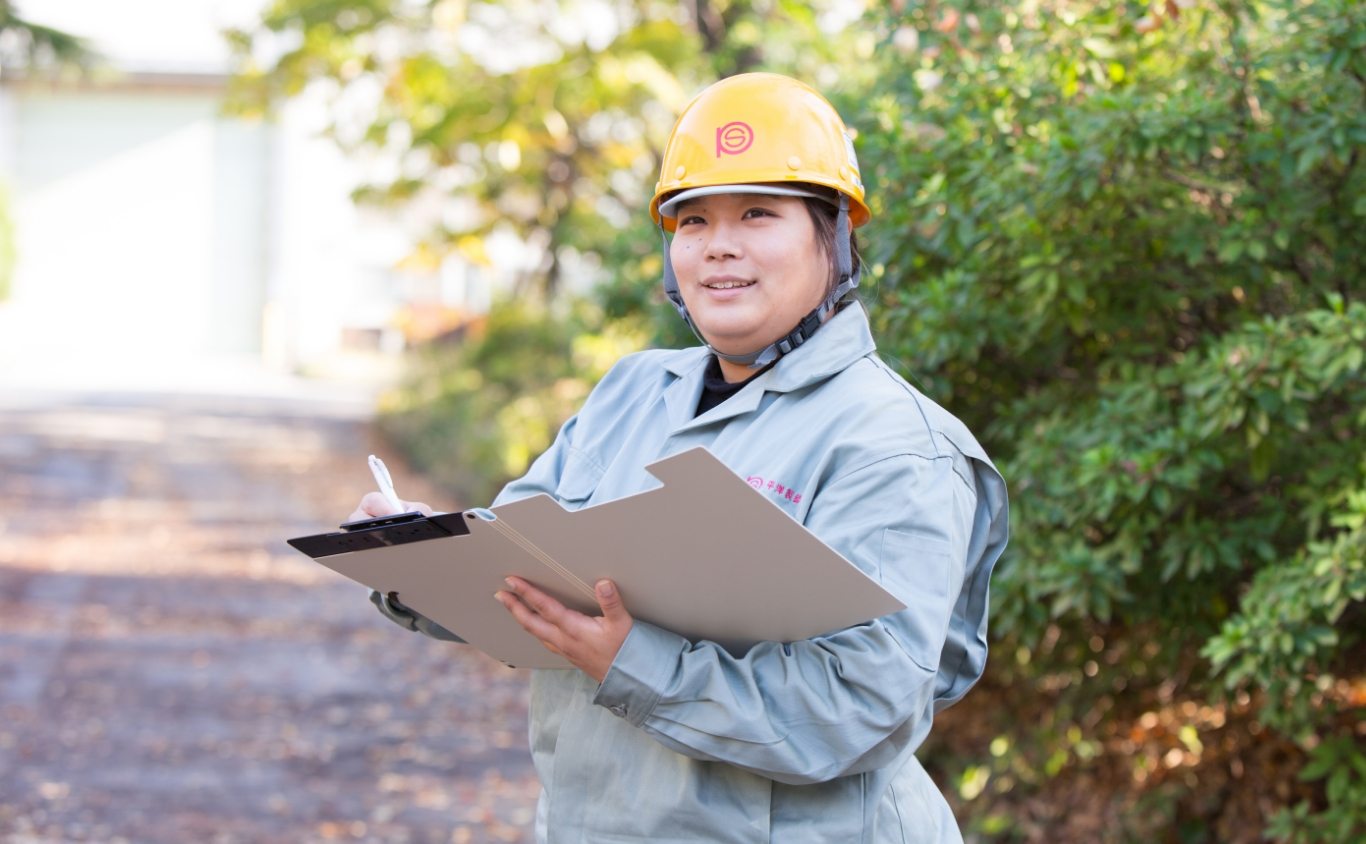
pixel 609 599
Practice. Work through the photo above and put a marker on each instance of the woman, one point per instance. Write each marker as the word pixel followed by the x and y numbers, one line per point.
pixel 659 739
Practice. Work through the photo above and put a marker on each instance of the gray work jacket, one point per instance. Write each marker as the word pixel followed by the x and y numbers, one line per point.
pixel 811 741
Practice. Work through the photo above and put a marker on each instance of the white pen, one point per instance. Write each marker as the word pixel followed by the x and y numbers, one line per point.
pixel 386 483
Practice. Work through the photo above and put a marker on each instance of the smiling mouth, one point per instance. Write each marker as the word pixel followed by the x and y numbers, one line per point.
pixel 727 285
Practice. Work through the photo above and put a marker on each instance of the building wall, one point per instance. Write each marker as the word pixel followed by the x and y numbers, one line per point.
pixel 150 226
pixel 137 222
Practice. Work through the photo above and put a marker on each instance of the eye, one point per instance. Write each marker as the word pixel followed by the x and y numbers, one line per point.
pixel 689 220
pixel 757 211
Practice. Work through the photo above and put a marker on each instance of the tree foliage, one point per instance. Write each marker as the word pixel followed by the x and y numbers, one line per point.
pixel 1125 243
pixel 475 412
pixel 543 119
pixel 26 46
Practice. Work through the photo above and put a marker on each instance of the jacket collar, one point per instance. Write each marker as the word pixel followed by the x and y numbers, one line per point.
pixel 843 339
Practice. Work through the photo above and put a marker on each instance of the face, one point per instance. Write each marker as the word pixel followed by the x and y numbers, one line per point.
pixel 749 267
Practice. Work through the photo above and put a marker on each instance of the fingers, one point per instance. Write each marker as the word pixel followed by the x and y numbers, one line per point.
pixel 374 505
pixel 541 603
pixel 589 643
pixel 539 614
pixel 531 621
pixel 609 600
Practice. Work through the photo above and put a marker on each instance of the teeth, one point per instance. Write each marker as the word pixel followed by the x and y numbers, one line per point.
pixel 727 285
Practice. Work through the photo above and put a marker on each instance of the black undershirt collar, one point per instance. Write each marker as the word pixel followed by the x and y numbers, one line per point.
pixel 715 387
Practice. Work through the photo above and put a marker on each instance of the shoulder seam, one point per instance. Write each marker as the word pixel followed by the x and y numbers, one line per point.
pixel 914 456
pixel 914 394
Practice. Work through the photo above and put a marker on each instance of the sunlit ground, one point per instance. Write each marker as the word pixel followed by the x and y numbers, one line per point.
pixel 170 670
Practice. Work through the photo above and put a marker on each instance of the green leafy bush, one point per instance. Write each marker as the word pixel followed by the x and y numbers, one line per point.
pixel 1126 244
pixel 475 412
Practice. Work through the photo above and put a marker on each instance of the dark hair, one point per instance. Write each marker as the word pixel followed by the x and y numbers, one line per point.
pixel 823 218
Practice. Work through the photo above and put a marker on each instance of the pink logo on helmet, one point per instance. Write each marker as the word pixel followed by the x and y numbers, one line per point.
pixel 733 138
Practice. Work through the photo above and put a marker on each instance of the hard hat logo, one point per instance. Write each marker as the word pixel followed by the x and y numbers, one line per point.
pixel 734 138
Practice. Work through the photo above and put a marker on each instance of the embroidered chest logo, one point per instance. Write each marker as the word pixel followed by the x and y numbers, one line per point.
pixel 784 492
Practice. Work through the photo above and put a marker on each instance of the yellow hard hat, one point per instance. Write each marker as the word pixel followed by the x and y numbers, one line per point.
pixel 761 131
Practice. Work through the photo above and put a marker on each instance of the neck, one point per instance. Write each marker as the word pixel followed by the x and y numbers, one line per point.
pixel 734 373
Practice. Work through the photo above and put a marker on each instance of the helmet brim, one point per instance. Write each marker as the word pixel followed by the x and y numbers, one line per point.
pixel 668 209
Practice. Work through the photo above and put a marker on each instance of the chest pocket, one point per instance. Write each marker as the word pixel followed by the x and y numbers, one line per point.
pixel 578 480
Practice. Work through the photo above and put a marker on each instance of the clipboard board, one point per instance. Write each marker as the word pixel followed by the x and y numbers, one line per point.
pixel 704 555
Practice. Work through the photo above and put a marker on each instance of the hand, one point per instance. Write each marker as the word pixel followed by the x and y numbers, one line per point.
pixel 590 643
pixel 374 504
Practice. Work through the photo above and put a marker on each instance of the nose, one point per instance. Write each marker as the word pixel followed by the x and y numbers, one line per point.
pixel 722 242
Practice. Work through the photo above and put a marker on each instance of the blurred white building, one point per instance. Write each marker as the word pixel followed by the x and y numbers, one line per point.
pixel 153 231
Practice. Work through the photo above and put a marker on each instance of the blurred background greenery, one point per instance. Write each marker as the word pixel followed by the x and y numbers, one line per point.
pixel 1122 240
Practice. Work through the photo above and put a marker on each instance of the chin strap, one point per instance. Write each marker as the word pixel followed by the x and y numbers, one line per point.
pixel 848 282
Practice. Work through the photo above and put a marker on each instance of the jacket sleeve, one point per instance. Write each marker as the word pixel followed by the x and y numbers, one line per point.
pixel 838 704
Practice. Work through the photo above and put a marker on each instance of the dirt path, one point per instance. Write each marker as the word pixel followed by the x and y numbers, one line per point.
pixel 171 671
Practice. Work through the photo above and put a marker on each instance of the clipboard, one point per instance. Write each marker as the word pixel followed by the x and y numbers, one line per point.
pixel 705 555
